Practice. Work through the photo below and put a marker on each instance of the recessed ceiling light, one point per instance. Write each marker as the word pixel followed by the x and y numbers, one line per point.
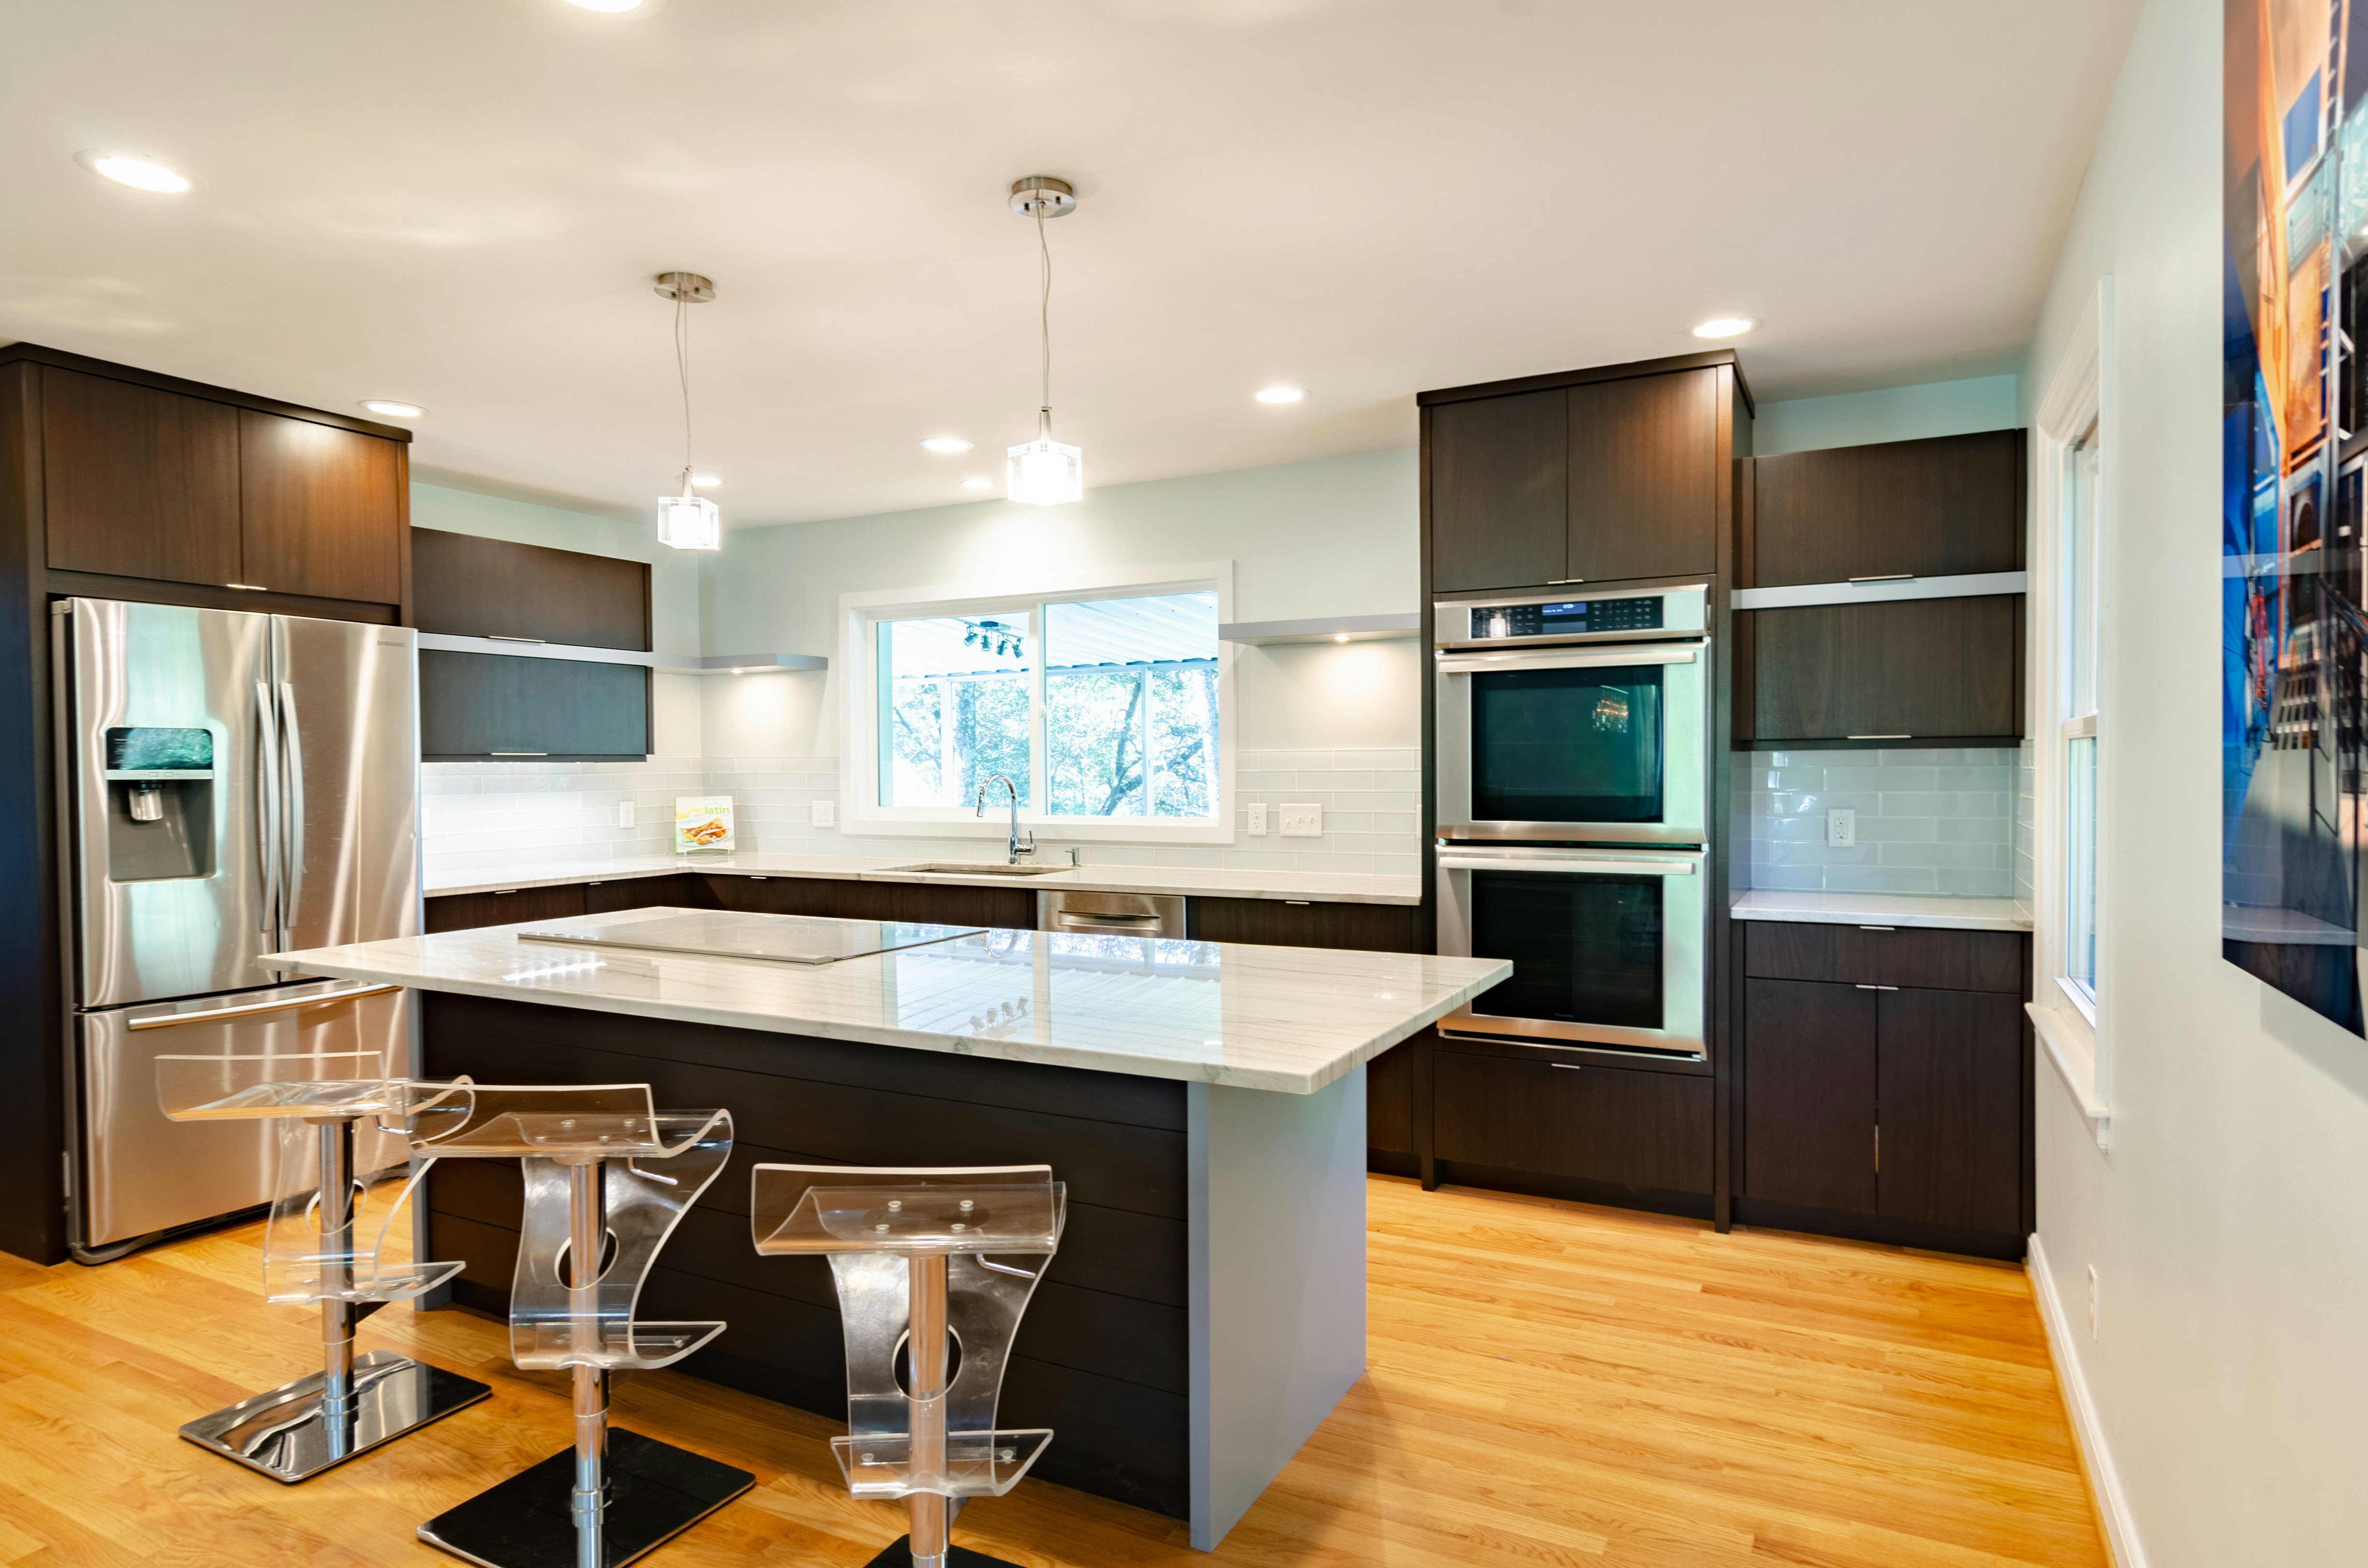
pixel 391 410
pixel 1339 637
pixel 946 444
pixel 137 170
pixel 705 481
pixel 978 481
pixel 1281 394
pixel 611 6
pixel 1726 326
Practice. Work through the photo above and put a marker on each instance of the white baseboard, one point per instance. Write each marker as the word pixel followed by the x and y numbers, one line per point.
pixel 2088 1430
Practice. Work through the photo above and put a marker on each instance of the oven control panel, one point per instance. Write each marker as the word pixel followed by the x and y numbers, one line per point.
pixel 1568 618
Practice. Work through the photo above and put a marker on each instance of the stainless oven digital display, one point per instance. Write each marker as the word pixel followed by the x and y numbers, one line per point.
pixel 1570 618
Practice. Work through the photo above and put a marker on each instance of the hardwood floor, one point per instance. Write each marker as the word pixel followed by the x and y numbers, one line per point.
pixel 1550 1384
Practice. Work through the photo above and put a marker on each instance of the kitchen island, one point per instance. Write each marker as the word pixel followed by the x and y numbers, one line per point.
pixel 1204 1102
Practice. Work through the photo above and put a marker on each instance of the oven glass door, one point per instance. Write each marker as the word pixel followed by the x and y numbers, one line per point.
pixel 1574 745
pixel 1608 950
pixel 1585 949
pixel 1568 745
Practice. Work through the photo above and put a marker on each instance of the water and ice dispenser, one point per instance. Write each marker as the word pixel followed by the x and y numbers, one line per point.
pixel 160 803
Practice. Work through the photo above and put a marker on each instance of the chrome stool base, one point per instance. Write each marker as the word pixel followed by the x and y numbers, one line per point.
pixel 901 1556
pixel 285 1434
pixel 655 1492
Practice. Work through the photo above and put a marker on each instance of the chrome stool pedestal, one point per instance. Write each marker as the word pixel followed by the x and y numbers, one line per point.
pixel 930 1303
pixel 354 1403
pixel 610 1497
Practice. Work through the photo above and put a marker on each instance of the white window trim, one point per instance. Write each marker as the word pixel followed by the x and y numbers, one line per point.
pixel 2077 1036
pixel 861 815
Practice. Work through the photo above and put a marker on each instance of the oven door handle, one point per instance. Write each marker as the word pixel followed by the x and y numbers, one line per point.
pixel 1534 659
pixel 1450 861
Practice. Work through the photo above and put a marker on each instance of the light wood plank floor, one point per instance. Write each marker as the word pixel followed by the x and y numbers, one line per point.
pixel 1551 1384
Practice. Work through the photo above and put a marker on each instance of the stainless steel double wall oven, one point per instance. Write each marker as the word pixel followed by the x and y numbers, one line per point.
pixel 1574 768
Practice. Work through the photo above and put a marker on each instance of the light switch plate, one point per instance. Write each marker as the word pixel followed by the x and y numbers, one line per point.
pixel 624 813
pixel 1841 827
pixel 1302 820
pixel 1258 819
pixel 822 814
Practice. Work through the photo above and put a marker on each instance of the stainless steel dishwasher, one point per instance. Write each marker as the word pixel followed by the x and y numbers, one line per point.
pixel 1111 914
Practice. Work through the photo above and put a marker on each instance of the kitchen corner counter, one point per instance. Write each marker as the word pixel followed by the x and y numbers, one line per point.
pixel 1286 1019
pixel 1929 910
pixel 1174 880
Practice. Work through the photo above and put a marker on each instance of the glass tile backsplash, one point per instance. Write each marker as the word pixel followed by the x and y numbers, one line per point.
pixel 1929 820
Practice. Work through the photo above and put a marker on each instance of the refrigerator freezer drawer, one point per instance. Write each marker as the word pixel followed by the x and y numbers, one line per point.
pixel 143 1173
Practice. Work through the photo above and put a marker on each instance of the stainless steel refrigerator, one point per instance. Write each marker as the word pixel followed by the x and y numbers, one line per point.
pixel 230 785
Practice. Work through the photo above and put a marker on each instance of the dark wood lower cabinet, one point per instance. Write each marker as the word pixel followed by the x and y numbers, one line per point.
pixel 1951 1078
pixel 1891 1111
pixel 1281 922
pixel 467 911
pixel 1810 1099
pixel 1643 1132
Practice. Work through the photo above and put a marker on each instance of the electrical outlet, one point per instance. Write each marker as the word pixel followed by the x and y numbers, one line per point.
pixel 1258 819
pixel 1302 820
pixel 1841 827
pixel 624 813
pixel 822 814
pixel 2092 1300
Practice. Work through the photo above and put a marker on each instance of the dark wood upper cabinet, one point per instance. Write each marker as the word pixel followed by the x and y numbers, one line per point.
pixel 1952 1076
pixel 1644 456
pixel 1499 491
pixel 1809 1096
pixel 1939 507
pixel 1919 669
pixel 489 587
pixel 480 706
pixel 323 511
pixel 137 482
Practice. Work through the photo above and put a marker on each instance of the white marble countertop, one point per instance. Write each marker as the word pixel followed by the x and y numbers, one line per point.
pixel 1314 886
pixel 1883 909
pixel 1291 1019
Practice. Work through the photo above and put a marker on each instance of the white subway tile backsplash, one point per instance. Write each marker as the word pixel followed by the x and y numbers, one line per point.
pixel 475 815
pixel 1929 820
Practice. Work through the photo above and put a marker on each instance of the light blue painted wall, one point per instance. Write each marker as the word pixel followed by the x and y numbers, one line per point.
pixel 1895 413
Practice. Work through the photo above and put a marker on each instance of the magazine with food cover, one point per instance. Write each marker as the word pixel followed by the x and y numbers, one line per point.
pixel 702 822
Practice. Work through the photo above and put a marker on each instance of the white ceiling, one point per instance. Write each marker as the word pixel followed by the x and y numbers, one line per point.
pixel 460 202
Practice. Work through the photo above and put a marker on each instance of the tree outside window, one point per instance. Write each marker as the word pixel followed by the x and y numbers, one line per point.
pixel 1116 698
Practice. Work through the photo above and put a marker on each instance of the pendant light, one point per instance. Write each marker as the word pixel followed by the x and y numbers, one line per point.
pixel 687 521
pixel 1044 472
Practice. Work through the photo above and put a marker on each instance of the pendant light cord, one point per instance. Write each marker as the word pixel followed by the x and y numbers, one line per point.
pixel 682 371
pixel 1044 319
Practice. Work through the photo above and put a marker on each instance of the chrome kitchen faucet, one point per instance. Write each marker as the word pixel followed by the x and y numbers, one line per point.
pixel 1018 848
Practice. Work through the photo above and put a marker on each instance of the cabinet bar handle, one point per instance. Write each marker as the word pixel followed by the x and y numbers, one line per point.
pixel 518 753
pixel 503 892
pixel 1886 577
pixel 1878 1150
pixel 1878 988
pixel 1878 927
pixel 1878 737
pixel 1296 903
pixel 497 637
pixel 1567 1066
pixel 248 587
pixel 1563 582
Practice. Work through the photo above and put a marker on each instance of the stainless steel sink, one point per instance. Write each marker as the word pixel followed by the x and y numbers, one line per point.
pixel 980 868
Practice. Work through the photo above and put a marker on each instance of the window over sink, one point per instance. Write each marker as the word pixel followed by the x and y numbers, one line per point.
pixel 1100 710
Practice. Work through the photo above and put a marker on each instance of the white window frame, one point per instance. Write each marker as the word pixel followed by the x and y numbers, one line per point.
pixel 860 614
pixel 2077 1036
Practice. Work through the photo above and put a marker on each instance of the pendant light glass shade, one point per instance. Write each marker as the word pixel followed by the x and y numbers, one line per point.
pixel 690 522
pixel 1044 472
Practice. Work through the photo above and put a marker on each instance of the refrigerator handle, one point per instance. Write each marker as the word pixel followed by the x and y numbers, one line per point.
pixel 267 838
pixel 291 748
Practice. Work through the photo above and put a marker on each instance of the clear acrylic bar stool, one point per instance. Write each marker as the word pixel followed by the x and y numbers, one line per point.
pixel 608 1178
pixel 311 1255
pixel 930 1304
